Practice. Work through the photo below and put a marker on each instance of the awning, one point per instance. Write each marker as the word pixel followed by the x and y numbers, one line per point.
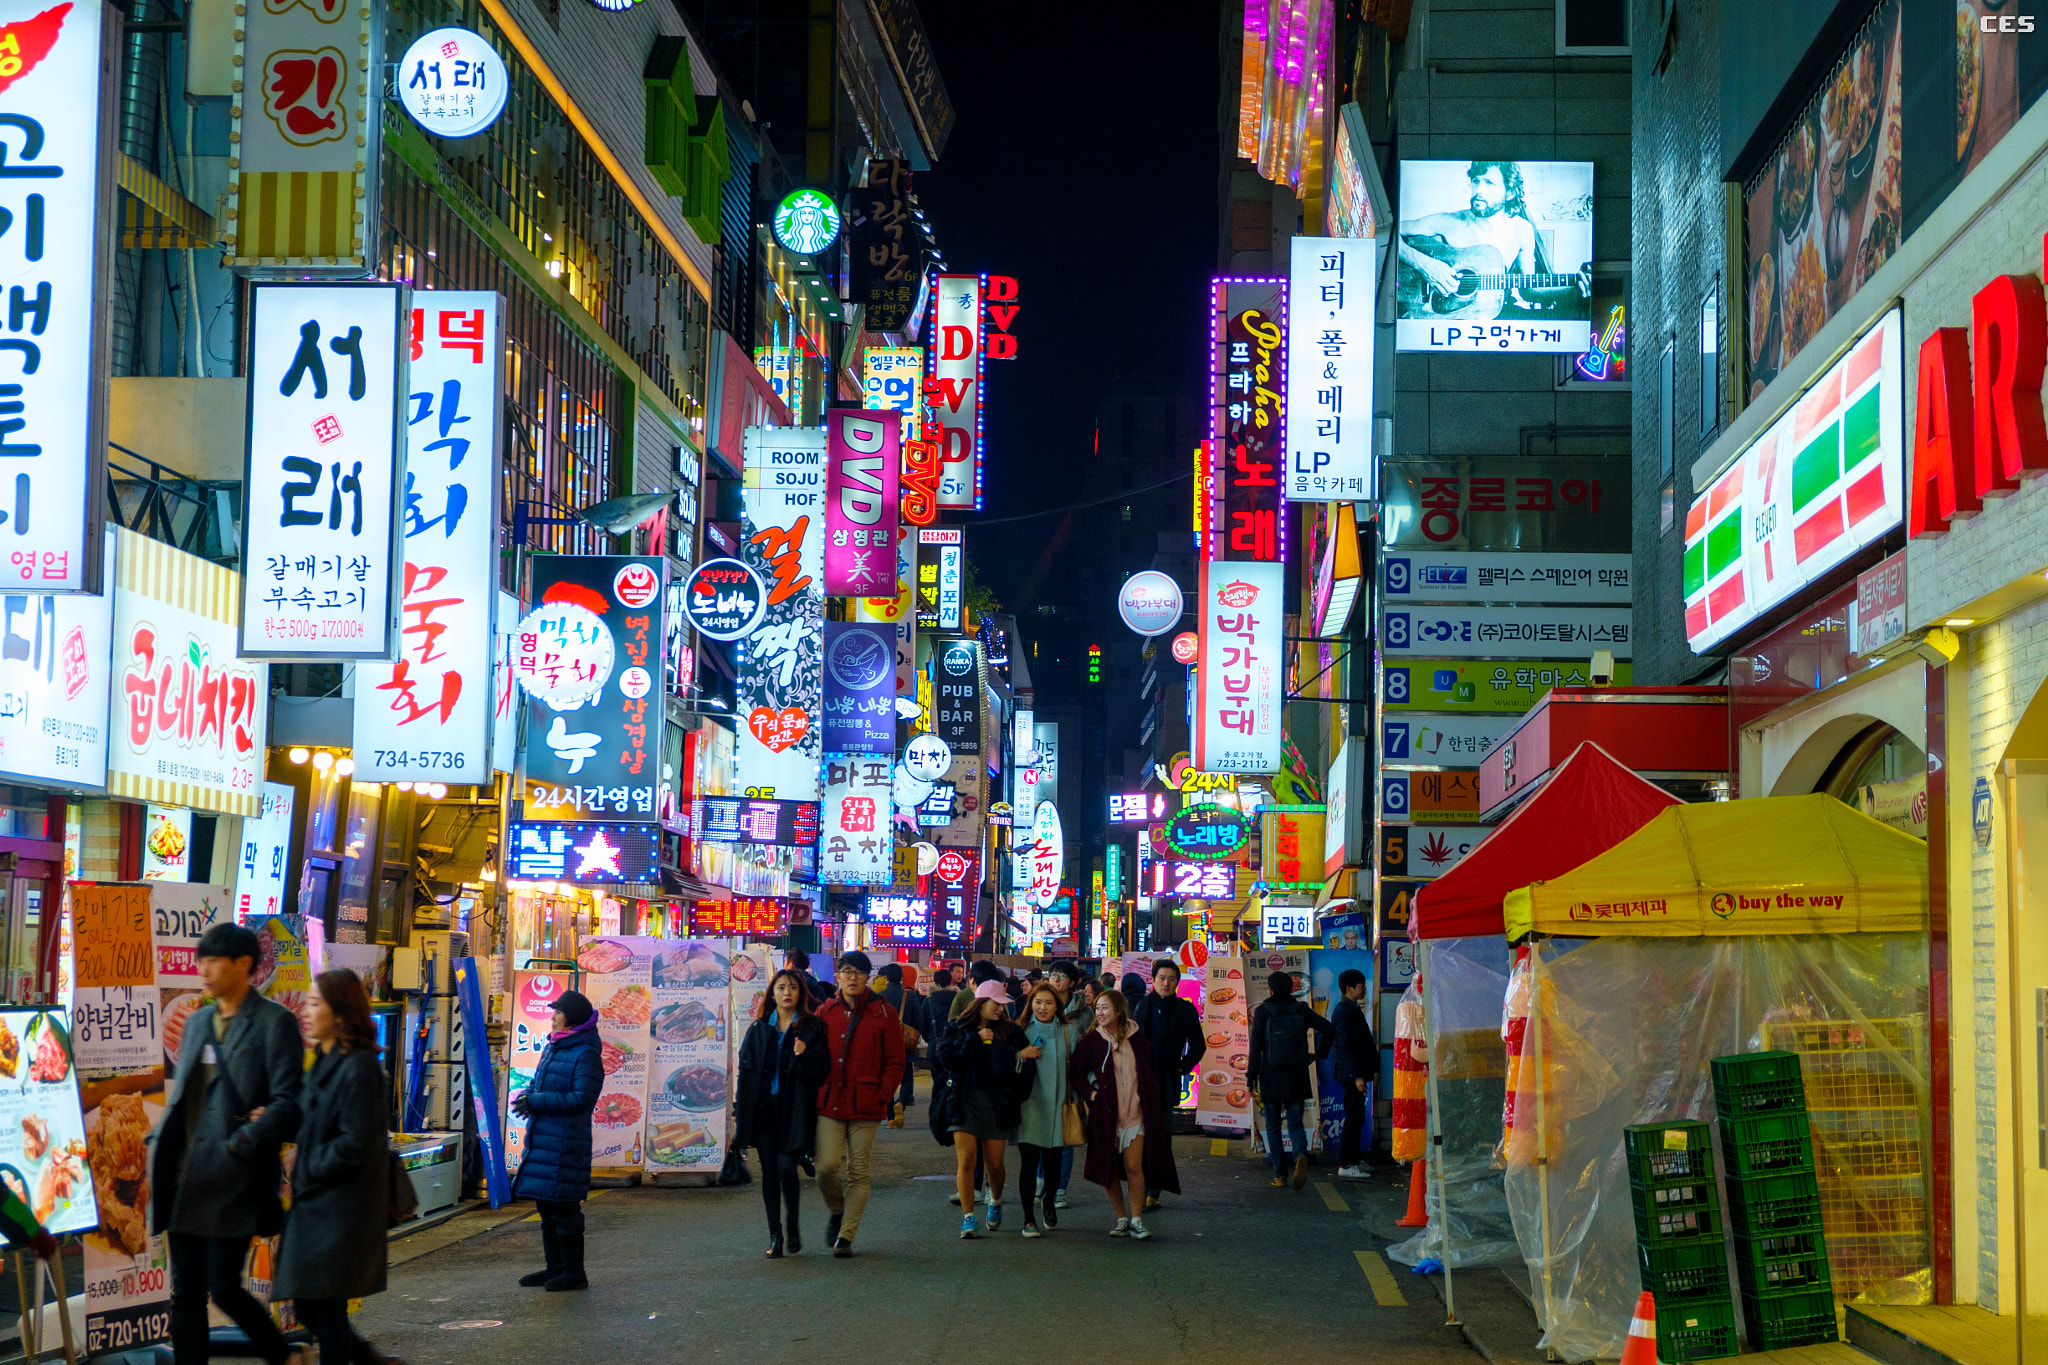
pixel 1676 736
pixel 155 215
pixel 1587 805
pixel 1776 865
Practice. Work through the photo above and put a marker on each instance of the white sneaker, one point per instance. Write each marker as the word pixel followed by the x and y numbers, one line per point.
pixel 1354 1173
pixel 1059 1201
pixel 1031 1230
pixel 1122 1228
pixel 1138 1229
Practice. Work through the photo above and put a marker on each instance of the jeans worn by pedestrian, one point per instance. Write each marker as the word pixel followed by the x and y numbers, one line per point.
pixel 1283 1160
pixel 845 1148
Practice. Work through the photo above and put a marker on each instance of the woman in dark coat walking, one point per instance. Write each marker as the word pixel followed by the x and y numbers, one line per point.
pixel 783 1061
pixel 334 1239
pixel 1128 1140
pixel 555 1172
pixel 991 1066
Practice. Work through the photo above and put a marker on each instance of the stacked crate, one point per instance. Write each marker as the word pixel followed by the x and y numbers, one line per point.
pixel 1679 1242
pixel 1781 1256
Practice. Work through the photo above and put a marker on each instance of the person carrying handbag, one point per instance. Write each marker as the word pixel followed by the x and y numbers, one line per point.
pixel 1129 1143
pixel 1049 1111
pixel 992 1068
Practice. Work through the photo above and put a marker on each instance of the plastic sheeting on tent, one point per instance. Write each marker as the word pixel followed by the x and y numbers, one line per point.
pixel 1778 865
pixel 1589 804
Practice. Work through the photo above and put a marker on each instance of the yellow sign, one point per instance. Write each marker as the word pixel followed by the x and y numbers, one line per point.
pixel 110 935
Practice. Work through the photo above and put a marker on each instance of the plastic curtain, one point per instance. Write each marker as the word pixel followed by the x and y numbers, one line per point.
pixel 1621 1031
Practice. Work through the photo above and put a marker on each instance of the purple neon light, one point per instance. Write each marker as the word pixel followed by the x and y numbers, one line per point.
pixel 1219 342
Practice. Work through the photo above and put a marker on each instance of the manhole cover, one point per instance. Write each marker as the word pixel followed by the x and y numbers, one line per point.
pixel 468 1323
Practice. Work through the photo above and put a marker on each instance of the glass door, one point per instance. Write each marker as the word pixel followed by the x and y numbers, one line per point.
pixel 2026 806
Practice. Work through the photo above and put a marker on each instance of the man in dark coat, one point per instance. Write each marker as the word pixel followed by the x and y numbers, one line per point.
pixel 1355 1062
pixel 555 1172
pixel 798 961
pixel 214 1167
pixel 1174 1030
pixel 909 1007
pixel 1278 1070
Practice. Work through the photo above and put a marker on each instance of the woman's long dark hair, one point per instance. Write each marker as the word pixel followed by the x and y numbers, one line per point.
pixel 765 1009
pixel 343 991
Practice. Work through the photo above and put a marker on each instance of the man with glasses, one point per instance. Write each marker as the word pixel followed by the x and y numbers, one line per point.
pixel 864 1038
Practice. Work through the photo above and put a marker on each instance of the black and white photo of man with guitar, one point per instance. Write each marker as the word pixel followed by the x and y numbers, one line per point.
pixel 1479 271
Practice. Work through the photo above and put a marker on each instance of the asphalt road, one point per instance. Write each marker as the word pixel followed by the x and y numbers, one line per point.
pixel 1235 1272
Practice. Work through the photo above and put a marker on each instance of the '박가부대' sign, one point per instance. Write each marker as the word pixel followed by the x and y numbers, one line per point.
pixel 1238 684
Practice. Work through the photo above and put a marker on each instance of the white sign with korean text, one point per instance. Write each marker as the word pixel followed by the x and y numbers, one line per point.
pixel 505 689
pixel 1426 576
pixel 452 82
pixel 1524 632
pixel 427 717
pixel 266 843
pixel 1238 686
pixel 781 692
pixel 1329 369
pixel 55 657
pixel 1440 741
pixel 320 509
pixel 856 842
pixel 52 362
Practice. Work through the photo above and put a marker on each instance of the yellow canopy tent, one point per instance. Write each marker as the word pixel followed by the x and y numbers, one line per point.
pixel 1776 865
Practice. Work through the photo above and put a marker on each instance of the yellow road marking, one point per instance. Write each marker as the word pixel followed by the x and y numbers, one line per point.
pixel 1385 1291
pixel 1331 1199
pixel 1219 1147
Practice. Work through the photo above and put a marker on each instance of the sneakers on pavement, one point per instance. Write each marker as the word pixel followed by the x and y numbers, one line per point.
pixel 1151 1202
pixel 1059 1201
pixel 954 1199
pixel 1031 1230
pixel 967 1232
pixel 1138 1230
pixel 1354 1173
pixel 1279 1181
pixel 1122 1228
pixel 842 1247
pixel 995 1216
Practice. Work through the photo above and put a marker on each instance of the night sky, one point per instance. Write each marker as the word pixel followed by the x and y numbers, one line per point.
pixel 1084 162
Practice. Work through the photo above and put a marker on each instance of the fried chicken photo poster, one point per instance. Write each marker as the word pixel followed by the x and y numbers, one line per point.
pixel 696 982
pixel 616 974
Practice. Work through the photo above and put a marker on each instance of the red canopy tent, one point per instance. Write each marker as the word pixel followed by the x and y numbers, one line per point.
pixel 1589 804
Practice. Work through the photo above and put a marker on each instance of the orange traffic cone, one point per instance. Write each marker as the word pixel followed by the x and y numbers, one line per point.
pixel 1418 1213
pixel 1641 1347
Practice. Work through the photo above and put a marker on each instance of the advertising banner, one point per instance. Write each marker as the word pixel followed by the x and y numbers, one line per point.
pixel 193 715
pixel 954 391
pixel 427 716
pixel 861 468
pixel 585 656
pixel 320 489
pixel 1238 687
pixel 956 694
pixel 533 1009
pixel 266 842
pixel 53 428
pixel 1330 325
pixel 1486 686
pixel 1505 503
pixel 860 689
pixel 1223 1102
pixel 1440 741
pixel 1442 576
pixel 856 846
pixel 781 665
pixel 618 977
pixel 1528 632
pixel 1424 850
pixel 1495 256
pixel 180 914
pixel 55 653
pixel 1247 416
pixel 956 899
pixel 687 1085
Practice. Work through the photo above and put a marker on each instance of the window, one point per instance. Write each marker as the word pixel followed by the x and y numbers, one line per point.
pixel 1592 28
pixel 1710 362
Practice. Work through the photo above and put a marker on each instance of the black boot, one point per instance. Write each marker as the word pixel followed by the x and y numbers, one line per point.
pixel 774 1243
pixel 572 1264
pixel 796 1233
pixel 551 1248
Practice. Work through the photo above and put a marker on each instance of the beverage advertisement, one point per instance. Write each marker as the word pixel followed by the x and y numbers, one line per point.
pixel 1224 1101
pixel 694 982
pixel 533 1011
pixel 617 976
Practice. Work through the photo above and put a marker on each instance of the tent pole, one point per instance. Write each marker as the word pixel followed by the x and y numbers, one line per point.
pixel 1436 1138
pixel 1535 1047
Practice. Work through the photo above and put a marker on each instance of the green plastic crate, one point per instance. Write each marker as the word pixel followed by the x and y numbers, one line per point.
pixel 1745 1069
pixel 1685 1270
pixel 1674 1153
pixel 1697 1331
pixel 1782 1261
pixel 1681 1223
pixel 1766 1144
pixel 1766 1204
pixel 1793 1318
pixel 1670 1198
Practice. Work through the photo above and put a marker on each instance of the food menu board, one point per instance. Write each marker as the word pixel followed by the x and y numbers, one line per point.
pixel 617 977
pixel 689 1088
pixel 1224 1100
pixel 42 1132
pixel 752 968
pixel 282 971
pixel 533 1012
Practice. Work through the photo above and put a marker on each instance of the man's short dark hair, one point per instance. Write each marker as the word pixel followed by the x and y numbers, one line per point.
pixel 858 960
pixel 1165 964
pixel 984 971
pixel 891 972
pixel 231 941
pixel 798 958
pixel 1350 977
pixel 1062 967
pixel 1280 983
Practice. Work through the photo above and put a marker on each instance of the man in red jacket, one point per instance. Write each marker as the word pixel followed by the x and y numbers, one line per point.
pixel 865 1039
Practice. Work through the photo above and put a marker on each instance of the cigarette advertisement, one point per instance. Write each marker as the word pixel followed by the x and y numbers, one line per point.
pixel 688 1095
pixel 1224 1102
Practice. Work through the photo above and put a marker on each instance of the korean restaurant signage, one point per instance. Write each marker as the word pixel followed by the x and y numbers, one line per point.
pixel 781 664
pixel 892 378
pixel 1238 686
pixel 954 391
pixel 1502 503
pixel 1207 832
pixel 55 653
pixel 754 820
pixel 861 456
pixel 724 599
pixel 188 714
pixel 1480 685
pixel 1527 632
pixel 860 689
pixel 888 248
pixel 266 843
pixel 1424 850
pixel 956 694
pixel 1248 379
pixel 927 757
pixel 1454 576
pixel 940 578
pixel 899 919
pixel 1441 741
pixel 452 82
pixel 1330 325
pixel 586 657
pixel 1822 482
pixel 326 431
pixel 1150 602
pixel 580 851
pixel 744 917
pixel 857 844
pixel 999 311
pixel 53 395
pixel 1446 796
pixel 427 716
pixel 956 903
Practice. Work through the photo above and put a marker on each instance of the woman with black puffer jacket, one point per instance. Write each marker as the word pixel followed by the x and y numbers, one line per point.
pixel 992 1066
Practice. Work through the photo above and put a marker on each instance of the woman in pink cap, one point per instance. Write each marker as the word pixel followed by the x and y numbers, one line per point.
pixel 992 1068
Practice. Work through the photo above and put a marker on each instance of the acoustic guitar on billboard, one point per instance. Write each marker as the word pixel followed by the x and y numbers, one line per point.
pixel 1483 284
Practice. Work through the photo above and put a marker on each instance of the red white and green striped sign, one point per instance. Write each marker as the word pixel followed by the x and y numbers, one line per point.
pixel 1822 482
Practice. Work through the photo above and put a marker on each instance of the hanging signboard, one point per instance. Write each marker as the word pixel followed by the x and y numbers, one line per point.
pixel 54 658
pixel 888 247
pixel 427 716
pixel 781 663
pixel 956 695
pixel 1238 687
pixel 326 426
pixel 1440 741
pixel 1047 854
pixel 857 846
pixel 754 820
pixel 266 842
pixel 1207 832
pixel 53 357
pixel 860 689
pixel 1247 418
pixel 939 578
pixel 1433 576
pixel 954 391
pixel 1492 686
pixel 1506 503
pixel 1291 849
pixel 956 901
pixel 861 458
pixel 1330 329
pixel 1424 850
pixel 1150 602
pixel 892 378
pixel 585 657
pixel 574 851
pixel 724 599
pixel 1527 632
pixel 452 82
pixel 899 919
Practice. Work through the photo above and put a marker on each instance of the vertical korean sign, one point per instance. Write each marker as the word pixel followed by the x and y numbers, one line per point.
pixel 860 689
pixel 585 656
pixel 781 682
pixel 53 350
pixel 1248 372
pixel 427 716
pixel 1329 370
pixel 855 847
pixel 861 455
pixel 320 512
pixel 1238 686
pixel 954 392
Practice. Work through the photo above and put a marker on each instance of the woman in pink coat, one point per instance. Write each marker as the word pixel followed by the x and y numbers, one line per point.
pixel 1129 1143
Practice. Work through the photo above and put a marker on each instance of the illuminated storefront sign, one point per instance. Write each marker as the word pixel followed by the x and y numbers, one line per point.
pixel 1291 847
pixel 452 82
pixel 572 851
pixel 1238 687
pixel 953 392
pixel 806 221
pixel 1247 418
pixel 1207 832
pixel 1135 808
pixel 861 457
pixel 899 919
pixel 746 917
pixel 754 820
pixel 1330 327
pixel 1204 881
pixel 781 664
pixel 858 842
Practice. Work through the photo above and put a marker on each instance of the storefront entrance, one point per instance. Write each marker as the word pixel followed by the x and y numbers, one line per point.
pixel 2026 805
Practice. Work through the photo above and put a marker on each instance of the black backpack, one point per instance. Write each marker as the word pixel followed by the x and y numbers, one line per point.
pixel 1286 1038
